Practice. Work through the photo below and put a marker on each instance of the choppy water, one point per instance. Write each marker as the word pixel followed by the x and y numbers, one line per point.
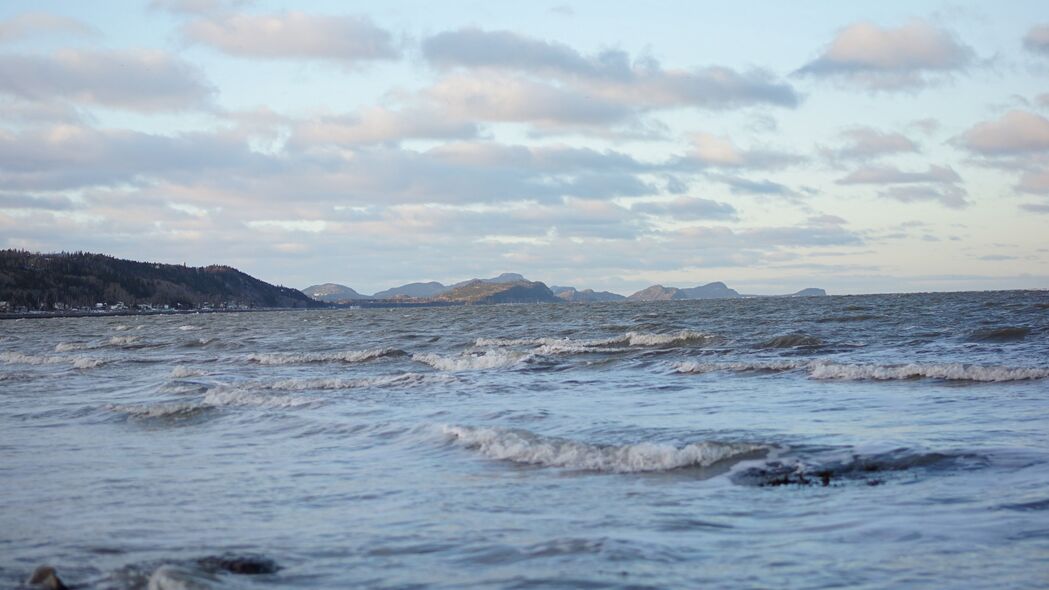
pixel 879 441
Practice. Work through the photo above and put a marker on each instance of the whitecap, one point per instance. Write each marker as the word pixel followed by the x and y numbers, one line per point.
pixel 492 359
pixel 738 367
pixel 351 356
pixel 183 371
pixel 243 397
pixel 521 446
pixel 944 371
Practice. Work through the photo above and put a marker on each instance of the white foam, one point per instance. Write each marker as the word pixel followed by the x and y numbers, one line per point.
pixel 18 358
pixel 553 346
pixel 737 367
pixel 521 446
pixel 123 340
pixel 945 371
pixel 183 371
pixel 405 379
pixel 71 346
pixel 294 358
pixel 170 577
pixel 152 411
pixel 492 359
pixel 242 397
pixel 188 327
pixel 863 372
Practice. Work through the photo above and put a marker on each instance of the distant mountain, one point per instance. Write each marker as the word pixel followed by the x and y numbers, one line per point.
pixel 333 293
pixel 506 277
pixel 479 292
pixel 715 290
pixel 573 295
pixel 809 292
pixel 82 280
pixel 413 290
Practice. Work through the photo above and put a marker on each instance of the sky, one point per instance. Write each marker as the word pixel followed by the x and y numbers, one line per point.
pixel 861 147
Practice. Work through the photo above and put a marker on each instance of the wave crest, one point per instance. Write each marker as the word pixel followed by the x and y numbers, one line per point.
pixel 296 358
pixel 492 359
pixel 825 370
pixel 521 446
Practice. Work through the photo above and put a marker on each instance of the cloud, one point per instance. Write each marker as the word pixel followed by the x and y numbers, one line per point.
pixel 137 80
pixel 1037 39
pixel 20 201
pixel 375 125
pixel 866 143
pixel 745 186
pixel 937 183
pixel 893 175
pixel 687 209
pixel 293 35
pixel 28 24
pixel 877 58
pixel 610 75
pixel 949 195
pixel 1016 132
pixel 714 151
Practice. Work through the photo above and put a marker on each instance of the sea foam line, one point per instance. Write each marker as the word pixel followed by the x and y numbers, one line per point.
pixel 825 370
pixel 521 446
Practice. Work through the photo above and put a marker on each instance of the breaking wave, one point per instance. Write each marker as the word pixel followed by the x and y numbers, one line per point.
pixel 406 379
pixel 549 346
pixel 739 367
pixel 296 358
pixel 19 358
pixel 492 359
pixel 946 371
pixel 243 397
pixel 869 372
pixel 521 446
pixel 182 371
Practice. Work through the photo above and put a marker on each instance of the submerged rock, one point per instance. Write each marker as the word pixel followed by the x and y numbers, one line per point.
pixel 45 577
pixel 239 564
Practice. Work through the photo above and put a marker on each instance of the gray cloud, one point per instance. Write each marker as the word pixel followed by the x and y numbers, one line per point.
pixel 687 209
pixel 948 195
pixel 866 143
pixel 744 186
pixel 28 24
pixel 293 35
pixel 21 201
pixel 1037 39
pixel 893 175
pixel 891 58
pixel 937 184
pixel 142 80
pixel 609 75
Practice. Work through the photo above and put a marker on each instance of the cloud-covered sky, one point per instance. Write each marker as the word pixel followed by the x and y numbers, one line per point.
pixel 860 147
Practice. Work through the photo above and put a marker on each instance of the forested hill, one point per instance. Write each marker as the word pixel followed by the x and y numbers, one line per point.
pixel 82 280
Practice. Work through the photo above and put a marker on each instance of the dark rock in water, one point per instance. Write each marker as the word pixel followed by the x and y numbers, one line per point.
pixel 239 564
pixel 45 577
pixel 1005 334
pixel 790 341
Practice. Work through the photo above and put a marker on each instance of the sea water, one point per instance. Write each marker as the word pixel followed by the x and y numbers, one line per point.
pixel 889 441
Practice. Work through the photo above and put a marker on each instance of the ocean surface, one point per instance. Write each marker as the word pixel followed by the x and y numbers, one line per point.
pixel 890 441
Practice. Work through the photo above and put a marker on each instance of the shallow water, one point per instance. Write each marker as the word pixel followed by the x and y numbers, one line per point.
pixel 868 442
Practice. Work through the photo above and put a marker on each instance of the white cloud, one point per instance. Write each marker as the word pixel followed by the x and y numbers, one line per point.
pixel 1015 132
pixel 29 24
pixel 137 80
pixel 891 58
pixel 293 35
